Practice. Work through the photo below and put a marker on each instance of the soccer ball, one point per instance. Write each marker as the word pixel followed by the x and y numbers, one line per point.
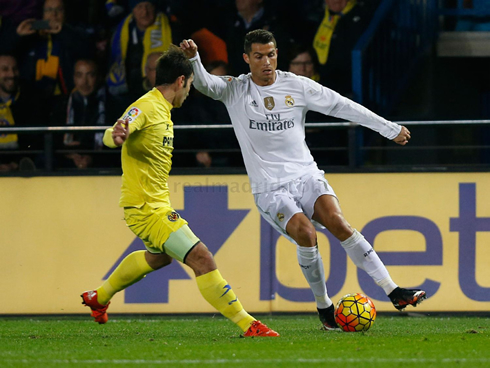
pixel 355 313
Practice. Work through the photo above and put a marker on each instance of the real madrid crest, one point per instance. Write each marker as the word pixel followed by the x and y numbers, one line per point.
pixel 289 101
pixel 269 103
pixel 280 216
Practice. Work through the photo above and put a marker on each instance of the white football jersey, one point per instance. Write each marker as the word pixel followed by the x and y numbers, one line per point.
pixel 269 121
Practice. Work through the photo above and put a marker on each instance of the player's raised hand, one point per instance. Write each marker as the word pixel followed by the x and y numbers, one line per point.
pixel 189 47
pixel 120 132
pixel 403 137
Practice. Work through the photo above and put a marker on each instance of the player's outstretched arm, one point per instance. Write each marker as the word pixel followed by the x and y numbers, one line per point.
pixel 189 47
pixel 403 137
pixel 210 85
pixel 117 135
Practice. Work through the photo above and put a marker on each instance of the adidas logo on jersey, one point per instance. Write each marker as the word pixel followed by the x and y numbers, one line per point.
pixel 254 104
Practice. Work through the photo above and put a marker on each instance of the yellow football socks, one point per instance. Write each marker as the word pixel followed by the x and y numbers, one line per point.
pixel 131 269
pixel 219 294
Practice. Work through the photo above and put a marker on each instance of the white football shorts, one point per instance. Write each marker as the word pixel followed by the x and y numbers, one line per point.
pixel 279 205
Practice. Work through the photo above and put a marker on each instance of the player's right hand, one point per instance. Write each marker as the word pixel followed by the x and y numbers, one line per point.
pixel 189 47
pixel 120 132
pixel 403 136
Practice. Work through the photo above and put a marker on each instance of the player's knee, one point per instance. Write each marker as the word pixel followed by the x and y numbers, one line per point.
pixel 157 261
pixel 301 230
pixel 164 262
pixel 200 260
pixel 306 235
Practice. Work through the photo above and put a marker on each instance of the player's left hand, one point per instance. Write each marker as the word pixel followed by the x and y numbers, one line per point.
pixel 403 137
pixel 120 132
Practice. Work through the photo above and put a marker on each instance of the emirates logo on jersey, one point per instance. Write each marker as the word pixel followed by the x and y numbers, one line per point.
pixel 269 103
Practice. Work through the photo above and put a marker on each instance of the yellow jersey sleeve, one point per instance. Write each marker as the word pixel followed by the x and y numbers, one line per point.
pixel 147 153
pixel 108 141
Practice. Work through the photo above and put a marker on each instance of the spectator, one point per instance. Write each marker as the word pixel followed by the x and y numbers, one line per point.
pixel 115 10
pixel 250 15
pixel 9 75
pixel 48 57
pixel 151 70
pixel 204 23
pixel 303 61
pixel 17 108
pixel 141 33
pixel 343 23
pixel 86 107
pixel 90 16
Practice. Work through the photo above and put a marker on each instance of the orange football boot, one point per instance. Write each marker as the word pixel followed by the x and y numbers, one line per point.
pixel 257 328
pixel 98 310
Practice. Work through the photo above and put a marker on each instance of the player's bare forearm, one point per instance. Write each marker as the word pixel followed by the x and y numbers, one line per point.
pixel 189 47
pixel 403 136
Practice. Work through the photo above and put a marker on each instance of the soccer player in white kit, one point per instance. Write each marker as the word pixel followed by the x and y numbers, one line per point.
pixel 267 108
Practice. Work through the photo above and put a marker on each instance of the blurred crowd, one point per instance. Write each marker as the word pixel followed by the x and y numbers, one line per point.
pixel 82 62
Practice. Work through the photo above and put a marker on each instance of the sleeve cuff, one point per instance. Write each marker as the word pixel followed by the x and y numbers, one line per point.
pixel 195 58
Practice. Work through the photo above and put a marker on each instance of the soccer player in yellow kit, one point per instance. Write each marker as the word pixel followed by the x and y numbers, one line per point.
pixel 145 133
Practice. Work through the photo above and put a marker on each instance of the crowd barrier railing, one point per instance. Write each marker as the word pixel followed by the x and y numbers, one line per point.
pixel 457 145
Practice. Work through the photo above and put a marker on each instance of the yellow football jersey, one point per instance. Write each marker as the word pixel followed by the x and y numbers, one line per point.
pixel 147 153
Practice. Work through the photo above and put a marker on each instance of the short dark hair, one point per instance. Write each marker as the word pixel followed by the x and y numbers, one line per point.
pixel 258 36
pixel 88 61
pixel 171 65
pixel 295 49
pixel 8 54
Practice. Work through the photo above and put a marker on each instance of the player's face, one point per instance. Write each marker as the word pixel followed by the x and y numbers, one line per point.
pixel 183 92
pixel 144 14
pixel 9 75
pixel 85 77
pixel 262 60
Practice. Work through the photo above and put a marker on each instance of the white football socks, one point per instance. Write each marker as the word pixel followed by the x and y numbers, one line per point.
pixel 364 257
pixel 311 264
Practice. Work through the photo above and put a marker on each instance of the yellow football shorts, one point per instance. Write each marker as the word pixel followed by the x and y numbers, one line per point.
pixel 162 230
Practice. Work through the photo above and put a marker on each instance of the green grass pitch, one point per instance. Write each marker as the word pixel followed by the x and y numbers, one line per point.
pixel 406 340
